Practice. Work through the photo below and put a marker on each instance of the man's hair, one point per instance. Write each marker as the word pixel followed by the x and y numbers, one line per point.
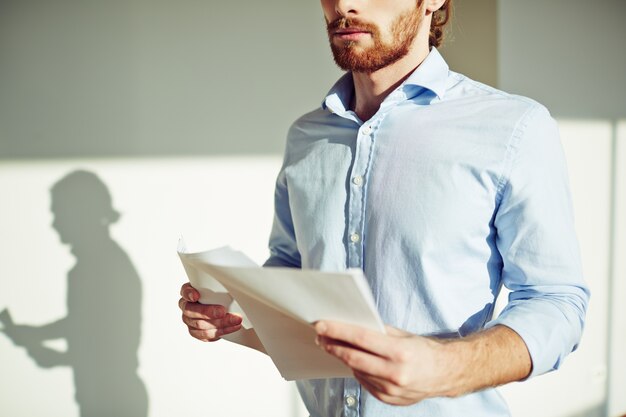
pixel 440 19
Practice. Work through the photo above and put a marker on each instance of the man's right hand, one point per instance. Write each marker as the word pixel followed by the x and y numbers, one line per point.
pixel 206 322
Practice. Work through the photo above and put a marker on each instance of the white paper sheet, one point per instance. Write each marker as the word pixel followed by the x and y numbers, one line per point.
pixel 280 305
pixel 212 292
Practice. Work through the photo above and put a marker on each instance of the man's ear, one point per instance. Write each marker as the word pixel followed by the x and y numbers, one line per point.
pixel 434 5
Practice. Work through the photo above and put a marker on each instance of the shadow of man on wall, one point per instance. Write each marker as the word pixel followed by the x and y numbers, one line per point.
pixel 103 323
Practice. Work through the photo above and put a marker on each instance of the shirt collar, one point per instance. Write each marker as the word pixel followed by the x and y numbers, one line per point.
pixel 338 98
pixel 431 74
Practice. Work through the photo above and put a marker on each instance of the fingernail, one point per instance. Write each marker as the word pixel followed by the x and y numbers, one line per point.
pixel 235 320
pixel 318 341
pixel 320 327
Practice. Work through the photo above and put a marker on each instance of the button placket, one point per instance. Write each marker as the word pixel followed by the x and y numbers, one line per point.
pixel 355 228
pixel 356 195
pixel 351 395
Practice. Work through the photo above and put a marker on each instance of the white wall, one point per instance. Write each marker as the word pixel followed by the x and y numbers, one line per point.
pixel 212 201
pixel 568 54
pixel 114 86
pixel 617 360
pixel 157 77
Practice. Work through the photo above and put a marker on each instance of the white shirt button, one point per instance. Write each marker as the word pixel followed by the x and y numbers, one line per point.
pixel 366 130
pixel 354 237
pixel 358 180
pixel 350 401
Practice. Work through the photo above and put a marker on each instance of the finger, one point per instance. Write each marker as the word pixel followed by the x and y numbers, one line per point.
pixel 371 387
pixel 212 335
pixel 356 358
pixel 201 311
pixel 201 324
pixel 189 293
pixel 397 394
pixel 370 340
pixel 372 382
pixel 204 335
pixel 383 385
pixel 227 330
pixel 378 393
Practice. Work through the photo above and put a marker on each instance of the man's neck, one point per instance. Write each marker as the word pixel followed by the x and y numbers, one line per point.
pixel 370 89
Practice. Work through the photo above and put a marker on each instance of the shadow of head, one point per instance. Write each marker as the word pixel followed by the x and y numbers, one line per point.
pixel 81 207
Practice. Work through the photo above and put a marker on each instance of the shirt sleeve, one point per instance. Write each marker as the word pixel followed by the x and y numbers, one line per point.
pixel 282 243
pixel 538 245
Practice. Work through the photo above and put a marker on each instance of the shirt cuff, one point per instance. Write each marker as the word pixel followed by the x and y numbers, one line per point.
pixel 548 333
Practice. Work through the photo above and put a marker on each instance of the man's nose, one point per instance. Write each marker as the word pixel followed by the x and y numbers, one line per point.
pixel 347 8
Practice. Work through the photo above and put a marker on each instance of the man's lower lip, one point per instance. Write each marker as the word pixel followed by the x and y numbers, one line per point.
pixel 351 36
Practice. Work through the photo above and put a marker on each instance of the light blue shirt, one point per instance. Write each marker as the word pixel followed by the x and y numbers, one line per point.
pixel 451 190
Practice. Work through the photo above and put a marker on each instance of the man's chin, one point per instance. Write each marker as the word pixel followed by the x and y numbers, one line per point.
pixel 352 64
pixel 349 58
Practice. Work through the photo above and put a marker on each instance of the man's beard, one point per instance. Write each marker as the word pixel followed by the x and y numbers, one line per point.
pixel 349 56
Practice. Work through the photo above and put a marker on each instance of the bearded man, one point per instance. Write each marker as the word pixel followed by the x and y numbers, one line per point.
pixel 442 190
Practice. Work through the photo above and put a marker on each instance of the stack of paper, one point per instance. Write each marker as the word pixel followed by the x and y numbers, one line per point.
pixel 279 306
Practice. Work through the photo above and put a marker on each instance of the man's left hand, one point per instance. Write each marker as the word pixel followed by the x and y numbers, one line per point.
pixel 398 368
